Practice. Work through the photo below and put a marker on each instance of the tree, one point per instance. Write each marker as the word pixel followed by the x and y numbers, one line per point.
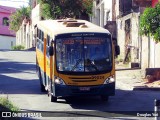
pixel 150 22
pixel 55 9
pixel 17 18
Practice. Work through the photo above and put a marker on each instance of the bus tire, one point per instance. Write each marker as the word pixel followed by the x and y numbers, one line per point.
pixel 53 98
pixel 69 99
pixel 104 98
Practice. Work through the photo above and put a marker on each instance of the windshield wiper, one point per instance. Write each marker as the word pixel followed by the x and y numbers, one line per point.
pixel 77 63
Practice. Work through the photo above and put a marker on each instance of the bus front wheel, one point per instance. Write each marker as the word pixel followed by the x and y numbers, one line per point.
pixel 42 88
pixel 53 98
pixel 104 98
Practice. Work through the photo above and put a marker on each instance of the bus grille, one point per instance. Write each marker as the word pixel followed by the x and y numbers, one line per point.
pixel 84 79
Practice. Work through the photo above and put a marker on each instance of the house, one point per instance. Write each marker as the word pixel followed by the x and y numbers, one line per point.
pixel 104 15
pixel 26 34
pixel 102 12
pixel 137 49
pixel 7 37
pixel 133 50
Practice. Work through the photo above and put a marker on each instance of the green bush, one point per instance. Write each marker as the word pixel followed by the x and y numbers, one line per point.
pixel 18 47
pixel 6 104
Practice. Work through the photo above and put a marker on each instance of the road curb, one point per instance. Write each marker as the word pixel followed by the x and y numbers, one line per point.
pixel 147 88
pixel 136 88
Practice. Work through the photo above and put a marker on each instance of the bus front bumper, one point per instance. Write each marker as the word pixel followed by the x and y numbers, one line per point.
pixel 65 90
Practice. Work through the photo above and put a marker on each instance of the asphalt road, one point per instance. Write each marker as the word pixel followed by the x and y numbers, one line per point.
pixel 19 81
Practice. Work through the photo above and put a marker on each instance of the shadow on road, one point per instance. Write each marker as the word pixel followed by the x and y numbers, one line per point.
pixel 18 78
pixel 11 85
pixel 124 103
pixel 16 67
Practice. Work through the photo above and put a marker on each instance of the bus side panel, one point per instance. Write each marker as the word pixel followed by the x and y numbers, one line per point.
pixel 40 61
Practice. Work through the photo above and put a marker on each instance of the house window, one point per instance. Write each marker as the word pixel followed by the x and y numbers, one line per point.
pixel 5 21
pixel 97 2
pixel 11 43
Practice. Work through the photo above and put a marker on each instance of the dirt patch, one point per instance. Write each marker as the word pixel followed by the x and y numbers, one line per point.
pixel 153 84
pixel 146 84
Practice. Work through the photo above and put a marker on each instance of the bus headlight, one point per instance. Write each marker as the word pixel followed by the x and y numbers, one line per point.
pixel 59 81
pixel 109 80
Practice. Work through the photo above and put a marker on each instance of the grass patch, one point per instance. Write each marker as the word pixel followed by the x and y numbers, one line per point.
pixel 18 47
pixel 6 105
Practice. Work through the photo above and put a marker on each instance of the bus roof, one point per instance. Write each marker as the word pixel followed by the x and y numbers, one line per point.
pixel 55 27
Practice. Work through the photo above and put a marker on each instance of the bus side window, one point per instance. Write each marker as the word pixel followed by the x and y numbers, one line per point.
pixel 47 45
pixel 39 34
pixel 47 51
pixel 42 36
pixel 48 39
pixel 42 48
pixel 37 43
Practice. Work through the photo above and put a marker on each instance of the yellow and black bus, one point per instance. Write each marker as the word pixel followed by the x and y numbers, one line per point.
pixel 75 58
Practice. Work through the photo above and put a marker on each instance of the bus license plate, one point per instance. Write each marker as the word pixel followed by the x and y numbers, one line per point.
pixel 84 88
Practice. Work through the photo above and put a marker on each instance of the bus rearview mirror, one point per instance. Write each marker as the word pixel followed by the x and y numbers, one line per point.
pixel 117 50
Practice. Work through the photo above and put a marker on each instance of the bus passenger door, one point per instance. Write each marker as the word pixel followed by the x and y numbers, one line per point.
pixel 47 62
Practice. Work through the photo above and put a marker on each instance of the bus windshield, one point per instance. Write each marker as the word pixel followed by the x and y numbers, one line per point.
pixel 84 54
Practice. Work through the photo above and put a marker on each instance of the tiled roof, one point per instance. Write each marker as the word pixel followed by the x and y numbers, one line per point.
pixel 6 9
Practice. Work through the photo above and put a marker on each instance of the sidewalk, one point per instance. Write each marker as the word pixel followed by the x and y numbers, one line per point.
pixel 134 80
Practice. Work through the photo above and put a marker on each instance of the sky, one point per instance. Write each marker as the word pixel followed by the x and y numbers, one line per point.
pixel 14 3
